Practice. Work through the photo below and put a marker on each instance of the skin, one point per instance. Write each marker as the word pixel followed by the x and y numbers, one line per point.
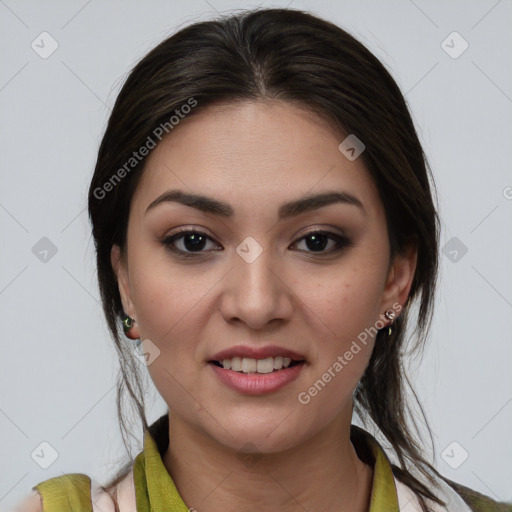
pixel 256 156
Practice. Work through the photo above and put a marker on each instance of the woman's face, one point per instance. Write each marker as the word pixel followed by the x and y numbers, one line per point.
pixel 256 276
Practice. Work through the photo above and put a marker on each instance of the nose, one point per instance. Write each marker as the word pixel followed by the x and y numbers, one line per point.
pixel 256 292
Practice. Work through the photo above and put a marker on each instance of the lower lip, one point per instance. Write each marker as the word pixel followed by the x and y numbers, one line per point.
pixel 257 383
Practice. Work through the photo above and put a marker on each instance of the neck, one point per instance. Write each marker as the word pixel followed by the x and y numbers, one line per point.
pixel 323 474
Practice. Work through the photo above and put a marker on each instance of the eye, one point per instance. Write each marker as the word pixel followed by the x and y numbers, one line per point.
pixel 317 241
pixel 190 240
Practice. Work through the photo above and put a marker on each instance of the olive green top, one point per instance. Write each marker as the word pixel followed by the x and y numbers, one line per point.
pixel 155 490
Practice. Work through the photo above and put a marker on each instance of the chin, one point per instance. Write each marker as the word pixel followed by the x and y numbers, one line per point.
pixel 262 433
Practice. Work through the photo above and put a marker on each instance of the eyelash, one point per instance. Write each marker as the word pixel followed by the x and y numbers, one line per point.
pixel 342 242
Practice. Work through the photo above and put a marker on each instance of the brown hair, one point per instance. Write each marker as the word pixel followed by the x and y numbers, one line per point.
pixel 292 56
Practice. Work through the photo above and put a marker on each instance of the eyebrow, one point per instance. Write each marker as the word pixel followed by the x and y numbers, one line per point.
pixel 290 209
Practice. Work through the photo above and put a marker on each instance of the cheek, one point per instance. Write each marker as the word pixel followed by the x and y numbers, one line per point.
pixel 165 294
pixel 344 309
pixel 169 307
pixel 349 301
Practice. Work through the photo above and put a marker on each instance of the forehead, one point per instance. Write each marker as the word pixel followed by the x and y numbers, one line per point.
pixel 253 154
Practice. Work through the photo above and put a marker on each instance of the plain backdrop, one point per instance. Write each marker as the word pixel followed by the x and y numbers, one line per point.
pixel 58 366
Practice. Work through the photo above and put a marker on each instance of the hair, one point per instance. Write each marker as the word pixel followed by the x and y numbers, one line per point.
pixel 290 56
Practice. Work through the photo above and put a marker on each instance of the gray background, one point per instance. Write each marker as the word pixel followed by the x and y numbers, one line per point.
pixel 58 366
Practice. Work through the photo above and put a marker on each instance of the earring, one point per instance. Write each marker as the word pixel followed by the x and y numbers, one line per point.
pixel 127 327
pixel 390 315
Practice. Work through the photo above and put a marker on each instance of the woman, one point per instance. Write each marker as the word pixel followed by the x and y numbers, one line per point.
pixel 263 220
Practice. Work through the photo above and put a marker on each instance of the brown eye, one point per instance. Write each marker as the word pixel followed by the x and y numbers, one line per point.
pixel 187 242
pixel 317 241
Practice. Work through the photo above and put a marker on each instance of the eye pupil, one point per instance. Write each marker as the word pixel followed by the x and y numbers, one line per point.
pixel 319 242
pixel 196 242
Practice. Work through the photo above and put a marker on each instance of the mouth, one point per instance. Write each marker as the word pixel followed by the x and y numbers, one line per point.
pixel 250 376
pixel 251 365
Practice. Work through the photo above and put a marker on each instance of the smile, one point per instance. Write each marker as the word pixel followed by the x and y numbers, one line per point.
pixel 257 376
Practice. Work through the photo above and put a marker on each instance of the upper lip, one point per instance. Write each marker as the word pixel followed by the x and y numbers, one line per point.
pixel 256 353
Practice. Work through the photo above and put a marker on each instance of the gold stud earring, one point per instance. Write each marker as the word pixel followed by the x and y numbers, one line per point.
pixel 390 315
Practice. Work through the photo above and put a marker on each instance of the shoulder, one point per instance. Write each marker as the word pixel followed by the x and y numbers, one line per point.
pixel 457 497
pixel 81 493
pixel 32 503
pixel 476 501
pixel 57 493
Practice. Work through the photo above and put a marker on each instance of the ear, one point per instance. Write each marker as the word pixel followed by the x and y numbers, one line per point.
pixel 400 277
pixel 119 266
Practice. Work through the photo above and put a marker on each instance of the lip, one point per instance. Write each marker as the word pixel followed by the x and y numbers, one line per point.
pixel 256 353
pixel 257 384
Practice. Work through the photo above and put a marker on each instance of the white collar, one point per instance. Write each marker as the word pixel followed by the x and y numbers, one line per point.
pixel 408 501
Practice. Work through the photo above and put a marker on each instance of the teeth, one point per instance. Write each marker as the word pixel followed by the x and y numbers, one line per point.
pixel 278 363
pixel 265 365
pixel 250 365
